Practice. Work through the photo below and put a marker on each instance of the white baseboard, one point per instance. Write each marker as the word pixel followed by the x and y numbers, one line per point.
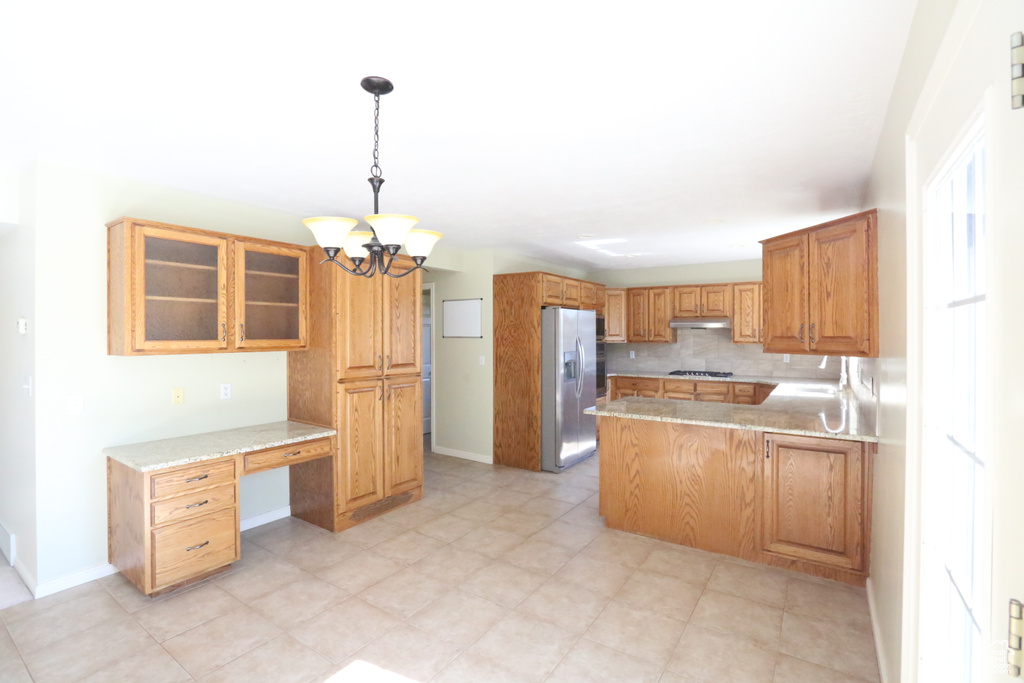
pixel 265 518
pixel 465 455
pixel 41 590
pixel 876 632
pixel 7 545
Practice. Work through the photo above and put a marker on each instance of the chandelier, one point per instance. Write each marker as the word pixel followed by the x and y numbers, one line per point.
pixel 373 251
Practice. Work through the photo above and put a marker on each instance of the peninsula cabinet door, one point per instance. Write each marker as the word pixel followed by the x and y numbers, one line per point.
pixel 841 295
pixel 815 499
pixel 784 262
pixel 403 321
pixel 403 434
pixel 360 443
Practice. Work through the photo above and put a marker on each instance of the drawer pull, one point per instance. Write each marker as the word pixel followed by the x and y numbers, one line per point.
pixel 288 455
pixel 197 547
pixel 197 505
pixel 205 476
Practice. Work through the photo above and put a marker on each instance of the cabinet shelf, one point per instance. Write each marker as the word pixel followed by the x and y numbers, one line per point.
pixel 178 264
pixel 181 298
pixel 293 276
pixel 270 303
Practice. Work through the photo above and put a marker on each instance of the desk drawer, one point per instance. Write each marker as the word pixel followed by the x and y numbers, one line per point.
pixel 287 455
pixel 185 507
pixel 187 549
pixel 193 478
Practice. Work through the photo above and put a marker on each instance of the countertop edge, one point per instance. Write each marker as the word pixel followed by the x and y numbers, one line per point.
pixel 130 455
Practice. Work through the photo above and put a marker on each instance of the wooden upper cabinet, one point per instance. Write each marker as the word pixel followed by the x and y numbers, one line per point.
pixel 403 321
pixel 648 312
pixel 615 315
pixel 784 264
pixel 817 499
pixel 168 291
pixel 552 293
pixel 659 315
pixel 694 301
pixel 686 301
pixel 571 293
pixel 821 289
pixel 403 434
pixel 843 295
pixel 746 313
pixel 359 321
pixel 588 296
pixel 636 314
pixel 270 296
pixel 716 301
pixel 378 324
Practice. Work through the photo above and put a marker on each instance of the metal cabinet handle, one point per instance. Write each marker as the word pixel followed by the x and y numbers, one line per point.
pixel 197 547
pixel 801 333
pixel 389 393
pixel 205 476
pixel 197 505
pixel 223 331
pixel 288 455
pixel 813 340
pixel 380 362
pixel 241 329
pixel 389 361
pixel 381 397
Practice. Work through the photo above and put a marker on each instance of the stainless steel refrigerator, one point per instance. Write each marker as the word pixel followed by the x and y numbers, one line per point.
pixel 569 386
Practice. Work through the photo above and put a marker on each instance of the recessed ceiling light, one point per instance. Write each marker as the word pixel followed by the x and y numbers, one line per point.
pixel 585 237
pixel 597 244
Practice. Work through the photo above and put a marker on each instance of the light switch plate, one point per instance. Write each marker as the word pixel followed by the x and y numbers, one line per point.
pixel 178 396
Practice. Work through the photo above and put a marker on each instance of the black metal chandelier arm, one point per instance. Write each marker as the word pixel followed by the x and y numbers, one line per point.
pixel 364 273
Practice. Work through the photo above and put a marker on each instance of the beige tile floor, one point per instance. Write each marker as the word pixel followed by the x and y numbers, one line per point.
pixel 496 575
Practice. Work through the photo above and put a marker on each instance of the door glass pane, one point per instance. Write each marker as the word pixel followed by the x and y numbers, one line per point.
pixel 181 289
pixel 271 296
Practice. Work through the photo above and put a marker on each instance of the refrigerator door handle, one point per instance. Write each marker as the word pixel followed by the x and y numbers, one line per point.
pixel 581 359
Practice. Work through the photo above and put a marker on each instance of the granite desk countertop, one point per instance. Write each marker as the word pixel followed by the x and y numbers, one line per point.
pixel 181 450
pixel 803 407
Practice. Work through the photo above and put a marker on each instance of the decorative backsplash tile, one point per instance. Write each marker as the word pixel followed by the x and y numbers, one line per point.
pixel 714 350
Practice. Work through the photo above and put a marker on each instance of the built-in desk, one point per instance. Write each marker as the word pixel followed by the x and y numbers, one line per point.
pixel 172 504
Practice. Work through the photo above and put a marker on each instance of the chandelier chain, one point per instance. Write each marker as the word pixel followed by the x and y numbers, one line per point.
pixel 375 169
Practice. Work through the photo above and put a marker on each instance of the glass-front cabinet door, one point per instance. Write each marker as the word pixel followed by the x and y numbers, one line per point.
pixel 270 296
pixel 181 300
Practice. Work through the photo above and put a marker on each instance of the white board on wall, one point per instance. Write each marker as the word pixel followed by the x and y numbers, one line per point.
pixel 462 318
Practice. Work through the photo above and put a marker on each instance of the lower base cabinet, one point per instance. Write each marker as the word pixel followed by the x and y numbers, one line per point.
pixel 380 447
pixel 816 498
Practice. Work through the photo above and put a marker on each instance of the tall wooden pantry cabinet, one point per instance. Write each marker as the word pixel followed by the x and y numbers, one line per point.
pixel 361 376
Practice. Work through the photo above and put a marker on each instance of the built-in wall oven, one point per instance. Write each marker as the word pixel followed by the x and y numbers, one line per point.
pixel 602 389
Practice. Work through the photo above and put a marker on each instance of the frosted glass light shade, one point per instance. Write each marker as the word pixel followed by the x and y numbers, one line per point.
pixel 330 231
pixel 391 228
pixel 354 244
pixel 420 242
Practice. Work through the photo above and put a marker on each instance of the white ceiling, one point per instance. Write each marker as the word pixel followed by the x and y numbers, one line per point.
pixel 689 130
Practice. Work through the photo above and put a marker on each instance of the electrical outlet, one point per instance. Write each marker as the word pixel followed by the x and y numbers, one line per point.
pixel 632 354
pixel 483 361
pixel 177 396
pixel 225 391
pixel 785 358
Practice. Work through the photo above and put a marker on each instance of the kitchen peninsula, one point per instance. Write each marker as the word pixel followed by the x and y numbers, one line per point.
pixel 786 483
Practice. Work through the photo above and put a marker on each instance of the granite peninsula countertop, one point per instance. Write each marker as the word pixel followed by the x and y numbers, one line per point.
pixel 181 450
pixel 806 407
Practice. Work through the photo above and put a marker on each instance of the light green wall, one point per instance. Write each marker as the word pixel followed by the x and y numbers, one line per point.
pixel 87 400
pixel 693 274
pixel 463 409
pixel 887 191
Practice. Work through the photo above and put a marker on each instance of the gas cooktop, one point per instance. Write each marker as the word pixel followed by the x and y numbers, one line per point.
pixel 701 373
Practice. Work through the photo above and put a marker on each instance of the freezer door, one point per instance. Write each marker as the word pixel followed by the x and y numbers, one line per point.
pixel 568 387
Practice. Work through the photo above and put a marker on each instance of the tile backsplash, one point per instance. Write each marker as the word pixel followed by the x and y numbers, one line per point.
pixel 714 350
